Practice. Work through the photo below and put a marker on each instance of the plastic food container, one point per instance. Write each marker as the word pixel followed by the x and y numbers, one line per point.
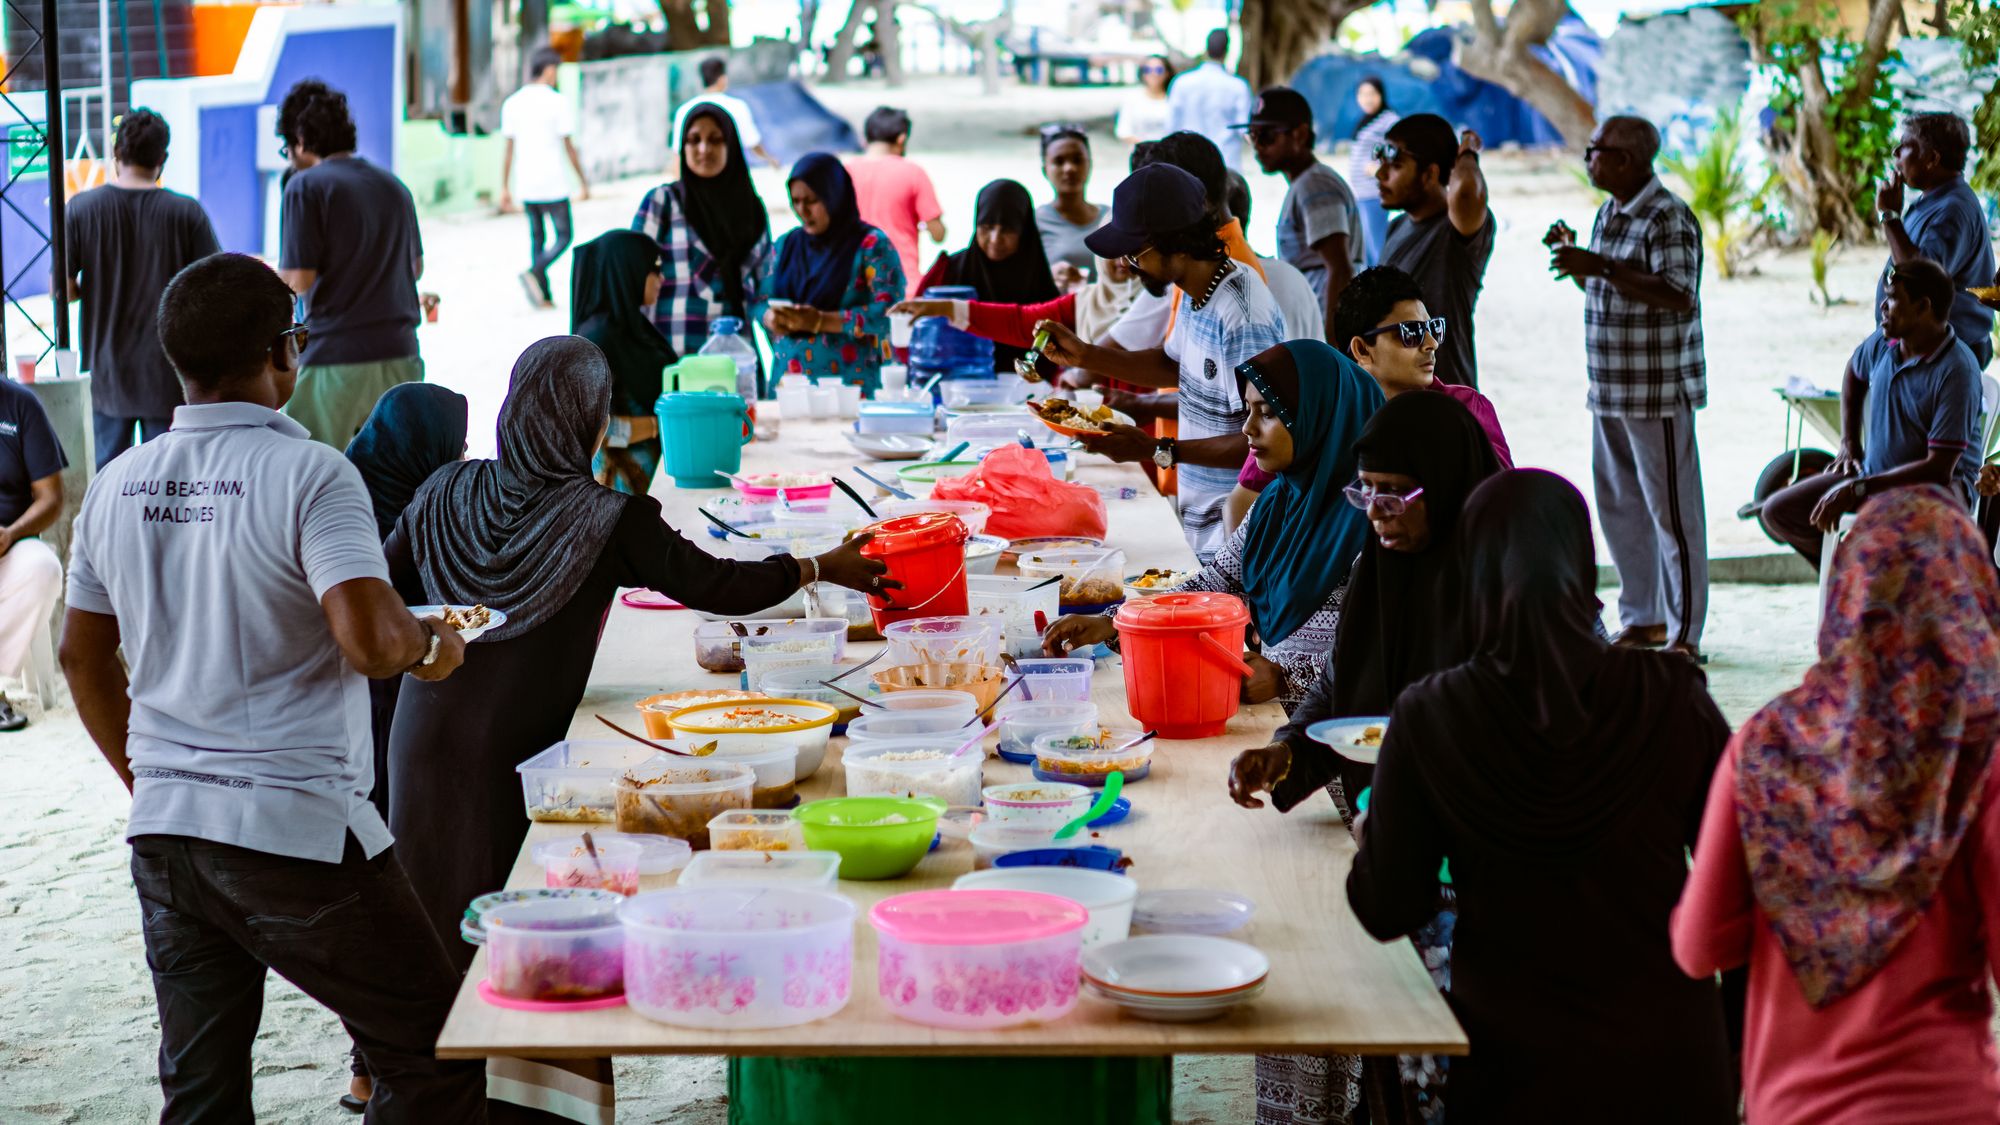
pixel 1090 577
pixel 571 782
pixel 971 512
pixel 915 767
pixel 754 830
pixel 983 682
pixel 472 926
pixel 676 800
pixel 809 682
pixel 992 430
pixel 1192 911
pixel 1022 723
pixel 877 837
pixel 817 870
pixel 567 863
pixel 982 557
pixel 795 486
pixel 1037 804
pixel 1023 640
pixel 658 855
pixel 764 655
pixel 717 647
pixel 654 709
pixel 919 478
pixel 1107 897
pixel 1042 543
pixel 961 705
pixel 1054 679
pixel 793 535
pixel 1057 760
pixel 943 640
pixel 776 765
pixel 737 957
pixel 1014 601
pixel 876 725
pixel 991 841
pixel 805 724
pixel 926 553
pixel 978 958
pixel 895 418
pixel 840 603
pixel 1184 668
pixel 555 951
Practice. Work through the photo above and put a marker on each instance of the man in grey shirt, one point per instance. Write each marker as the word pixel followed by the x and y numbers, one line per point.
pixel 237 563
pixel 1319 230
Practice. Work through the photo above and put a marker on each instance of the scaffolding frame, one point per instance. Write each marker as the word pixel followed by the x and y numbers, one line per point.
pixel 46 141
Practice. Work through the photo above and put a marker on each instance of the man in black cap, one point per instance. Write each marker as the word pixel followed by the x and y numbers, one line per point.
pixel 1319 228
pixel 1444 236
pixel 1162 227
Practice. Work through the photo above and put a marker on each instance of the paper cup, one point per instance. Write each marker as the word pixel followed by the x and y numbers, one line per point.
pixel 901 329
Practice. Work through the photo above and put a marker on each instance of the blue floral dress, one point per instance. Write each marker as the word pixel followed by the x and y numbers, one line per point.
pixel 855 353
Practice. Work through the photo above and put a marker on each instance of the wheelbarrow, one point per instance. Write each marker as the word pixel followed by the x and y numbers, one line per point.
pixel 1806 408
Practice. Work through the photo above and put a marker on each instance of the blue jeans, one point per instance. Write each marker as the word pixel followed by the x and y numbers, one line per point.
pixel 114 433
pixel 541 255
pixel 1374 227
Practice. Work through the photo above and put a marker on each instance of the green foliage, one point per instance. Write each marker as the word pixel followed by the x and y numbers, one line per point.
pixel 1723 193
pixel 1977 26
pixel 1796 34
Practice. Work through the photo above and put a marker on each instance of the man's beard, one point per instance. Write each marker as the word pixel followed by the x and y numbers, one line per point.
pixel 1153 284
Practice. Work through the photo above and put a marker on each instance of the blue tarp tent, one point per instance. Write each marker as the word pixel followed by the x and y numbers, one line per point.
pixel 794 122
pixel 1329 82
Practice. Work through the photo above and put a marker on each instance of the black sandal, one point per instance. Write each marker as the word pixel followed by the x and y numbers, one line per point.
pixel 352 1104
pixel 10 719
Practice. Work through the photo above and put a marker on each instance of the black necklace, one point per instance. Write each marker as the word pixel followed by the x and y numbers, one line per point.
pixel 1213 282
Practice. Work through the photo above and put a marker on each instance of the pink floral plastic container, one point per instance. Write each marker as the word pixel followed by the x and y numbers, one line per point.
pixel 978 959
pixel 738 957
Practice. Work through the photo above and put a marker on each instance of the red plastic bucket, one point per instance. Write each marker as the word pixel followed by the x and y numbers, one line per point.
pixel 1183 665
pixel 926 553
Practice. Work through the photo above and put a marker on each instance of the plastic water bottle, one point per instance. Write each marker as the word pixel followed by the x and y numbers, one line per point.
pixel 725 337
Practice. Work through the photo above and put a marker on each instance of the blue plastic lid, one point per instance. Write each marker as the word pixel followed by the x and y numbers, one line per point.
pixel 1096 857
pixel 725 326
pixel 951 293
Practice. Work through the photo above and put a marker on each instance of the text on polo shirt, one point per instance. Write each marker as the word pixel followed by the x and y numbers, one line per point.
pixel 180 489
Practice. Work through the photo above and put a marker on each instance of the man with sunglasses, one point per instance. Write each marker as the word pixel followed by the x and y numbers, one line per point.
pixel 237 563
pixel 1319 227
pixel 1641 280
pixel 1444 236
pixel 1383 325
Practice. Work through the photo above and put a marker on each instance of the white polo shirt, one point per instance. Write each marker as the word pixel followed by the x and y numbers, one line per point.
pixel 212 545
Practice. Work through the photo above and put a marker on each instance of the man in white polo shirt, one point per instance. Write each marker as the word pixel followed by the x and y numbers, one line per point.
pixel 237 562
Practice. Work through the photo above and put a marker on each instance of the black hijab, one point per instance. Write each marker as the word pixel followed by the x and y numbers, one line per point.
pixel 815 270
pixel 1024 278
pixel 521 532
pixel 414 430
pixel 607 282
pixel 1401 621
pixel 1546 738
pixel 724 210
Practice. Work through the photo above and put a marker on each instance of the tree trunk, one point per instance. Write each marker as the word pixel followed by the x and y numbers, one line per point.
pixel 716 34
pixel 842 53
pixel 886 39
pixel 1280 35
pixel 1500 55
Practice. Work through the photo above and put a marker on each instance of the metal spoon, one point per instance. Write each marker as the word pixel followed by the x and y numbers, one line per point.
pixel 888 488
pixel 849 694
pixel 1003 694
pixel 858 667
pixel 642 738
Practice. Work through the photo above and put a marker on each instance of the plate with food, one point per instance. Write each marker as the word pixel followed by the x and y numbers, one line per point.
pixel 1356 739
pixel 1156 580
pixel 1066 417
pixel 471 621
pixel 1988 295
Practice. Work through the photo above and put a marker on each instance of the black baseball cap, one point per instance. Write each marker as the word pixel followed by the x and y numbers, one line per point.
pixel 1281 106
pixel 1155 200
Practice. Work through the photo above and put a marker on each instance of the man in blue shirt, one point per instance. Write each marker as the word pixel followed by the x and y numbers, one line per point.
pixel 1211 101
pixel 1945 224
pixel 1909 413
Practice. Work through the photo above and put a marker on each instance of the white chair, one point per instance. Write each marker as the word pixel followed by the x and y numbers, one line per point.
pixel 39 676
pixel 1829 545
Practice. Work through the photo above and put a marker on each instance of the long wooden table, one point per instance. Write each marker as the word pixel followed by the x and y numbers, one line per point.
pixel 1333 988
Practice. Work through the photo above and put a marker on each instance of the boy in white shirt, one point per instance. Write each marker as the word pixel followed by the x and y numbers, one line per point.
pixel 537 120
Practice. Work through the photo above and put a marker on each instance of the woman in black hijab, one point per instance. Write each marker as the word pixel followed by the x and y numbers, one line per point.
pixel 1565 779
pixel 1005 263
pixel 614 281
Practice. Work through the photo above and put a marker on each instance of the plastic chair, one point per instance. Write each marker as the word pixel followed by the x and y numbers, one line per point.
pixel 39 676
pixel 1829 545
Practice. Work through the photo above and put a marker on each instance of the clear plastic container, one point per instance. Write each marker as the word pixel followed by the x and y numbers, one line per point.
pixel 809 682
pixel 555 951
pixel 776 765
pixel 738 957
pixel 800 868
pixel 717 645
pixel 880 417
pixel 915 767
pixel 572 782
pixel 994 429
pixel 795 536
pixel 567 863
pixel 942 640
pixel 991 841
pixel 994 959
pixel 1108 897
pixel 658 855
pixel 754 830
pixel 983 682
pixel 1054 679
pixel 982 555
pixel 1014 601
pixel 1090 577
pixel 1036 804
pixel 876 725
pixel 961 705
pixel 1021 723
pixel 764 655
pixel 677 800
pixel 1023 640
pixel 1057 760
pixel 973 513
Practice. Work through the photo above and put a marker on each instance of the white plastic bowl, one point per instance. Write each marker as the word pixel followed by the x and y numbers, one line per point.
pixel 738 957
pixel 810 731
pixel 1108 897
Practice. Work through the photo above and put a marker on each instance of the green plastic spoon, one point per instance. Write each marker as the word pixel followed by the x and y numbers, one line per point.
pixel 1114 784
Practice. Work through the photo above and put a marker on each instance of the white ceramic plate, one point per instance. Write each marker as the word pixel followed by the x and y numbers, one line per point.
pixel 1192 911
pixel 1176 966
pixel 1345 736
pixel 498 619
pixel 1189 1011
pixel 889 447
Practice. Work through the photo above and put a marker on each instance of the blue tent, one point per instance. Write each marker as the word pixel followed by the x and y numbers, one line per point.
pixel 1329 82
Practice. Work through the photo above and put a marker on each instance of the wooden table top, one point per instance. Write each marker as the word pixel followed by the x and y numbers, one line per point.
pixel 1333 988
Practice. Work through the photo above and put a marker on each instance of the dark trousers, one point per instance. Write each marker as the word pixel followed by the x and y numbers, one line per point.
pixel 1787 514
pixel 114 433
pixel 541 256
pixel 351 935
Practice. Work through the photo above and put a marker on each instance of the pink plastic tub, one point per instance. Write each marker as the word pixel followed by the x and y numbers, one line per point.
pixel 978 959
pixel 737 956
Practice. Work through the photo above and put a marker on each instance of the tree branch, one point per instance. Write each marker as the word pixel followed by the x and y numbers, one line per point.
pixel 1883 16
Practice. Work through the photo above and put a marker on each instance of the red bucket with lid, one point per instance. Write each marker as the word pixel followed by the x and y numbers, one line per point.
pixel 926 553
pixel 1183 658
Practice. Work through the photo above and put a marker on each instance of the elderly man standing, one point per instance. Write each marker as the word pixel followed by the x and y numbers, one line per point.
pixel 1641 280
pixel 1945 224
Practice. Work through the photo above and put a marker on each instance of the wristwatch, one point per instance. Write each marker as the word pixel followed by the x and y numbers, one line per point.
pixel 431 650
pixel 1861 488
pixel 1886 217
pixel 1165 452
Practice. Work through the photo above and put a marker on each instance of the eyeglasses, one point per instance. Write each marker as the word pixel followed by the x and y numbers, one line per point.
pixel 1265 134
pixel 1132 260
pixel 296 330
pixel 1388 152
pixel 1366 496
pixel 1152 68
pixel 1409 333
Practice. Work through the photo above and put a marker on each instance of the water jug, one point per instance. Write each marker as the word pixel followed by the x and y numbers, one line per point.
pixel 701 433
pixel 938 347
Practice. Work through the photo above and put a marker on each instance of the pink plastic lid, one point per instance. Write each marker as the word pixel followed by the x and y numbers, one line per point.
pixel 975 917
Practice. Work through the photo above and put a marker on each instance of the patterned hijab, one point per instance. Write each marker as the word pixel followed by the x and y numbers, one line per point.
pixel 1855 788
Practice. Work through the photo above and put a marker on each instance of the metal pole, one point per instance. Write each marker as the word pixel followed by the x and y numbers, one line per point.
pixel 53 132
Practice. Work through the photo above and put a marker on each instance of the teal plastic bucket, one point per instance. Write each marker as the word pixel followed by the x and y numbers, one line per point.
pixel 701 434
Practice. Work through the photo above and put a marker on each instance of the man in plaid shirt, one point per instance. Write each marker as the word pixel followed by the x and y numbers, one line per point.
pixel 1641 280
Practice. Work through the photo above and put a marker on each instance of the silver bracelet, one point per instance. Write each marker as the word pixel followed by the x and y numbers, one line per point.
pixel 813 608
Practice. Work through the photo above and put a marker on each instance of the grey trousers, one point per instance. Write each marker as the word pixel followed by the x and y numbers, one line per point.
pixel 1649 499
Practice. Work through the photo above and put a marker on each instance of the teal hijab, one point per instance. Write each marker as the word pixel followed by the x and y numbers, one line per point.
pixel 1303 536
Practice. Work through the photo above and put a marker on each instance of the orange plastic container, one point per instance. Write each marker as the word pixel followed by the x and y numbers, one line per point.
pixel 1183 658
pixel 926 553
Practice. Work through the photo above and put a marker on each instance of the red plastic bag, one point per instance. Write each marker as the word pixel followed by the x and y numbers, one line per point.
pixel 1027 500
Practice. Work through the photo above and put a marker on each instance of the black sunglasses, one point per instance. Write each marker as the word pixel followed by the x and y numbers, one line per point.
pixel 1409 333
pixel 298 331
pixel 1265 134
pixel 1592 150
pixel 1388 152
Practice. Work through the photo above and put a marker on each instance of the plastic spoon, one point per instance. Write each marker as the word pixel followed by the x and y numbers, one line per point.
pixel 737 478
pixel 955 451
pixel 856 497
pixel 988 709
pixel 858 667
pixel 974 741
pixel 1147 737
pixel 726 526
pixel 1114 784
pixel 888 488
pixel 849 694
pixel 641 738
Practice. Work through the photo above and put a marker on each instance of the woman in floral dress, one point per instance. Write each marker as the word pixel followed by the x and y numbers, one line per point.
pixel 826 301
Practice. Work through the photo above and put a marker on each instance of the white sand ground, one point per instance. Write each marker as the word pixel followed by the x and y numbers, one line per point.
pixel 77 1027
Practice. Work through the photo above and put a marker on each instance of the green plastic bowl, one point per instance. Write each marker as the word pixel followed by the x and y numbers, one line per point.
pixel 870 849
pixel 931 472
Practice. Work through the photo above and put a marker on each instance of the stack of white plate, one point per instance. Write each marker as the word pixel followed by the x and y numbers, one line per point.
pixel 1176 978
